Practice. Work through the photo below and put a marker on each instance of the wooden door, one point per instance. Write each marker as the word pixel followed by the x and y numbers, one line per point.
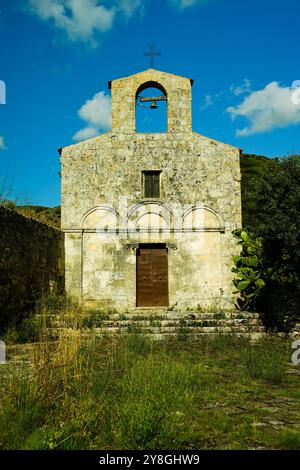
pixel 152 276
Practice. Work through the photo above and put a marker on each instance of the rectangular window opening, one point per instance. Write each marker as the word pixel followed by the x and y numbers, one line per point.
pixel 152 184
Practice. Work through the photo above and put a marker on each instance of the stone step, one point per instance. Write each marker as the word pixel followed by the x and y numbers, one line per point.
pixel 195 329
pixel 173 323
pixel 253 335
pixel 182 315
pixel 141 322
pixel 181 322
pixel 134 328
pixel 160 322
pixel 151 315
pixel 157 322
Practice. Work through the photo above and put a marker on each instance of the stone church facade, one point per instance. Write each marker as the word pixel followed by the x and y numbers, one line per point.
pixel 148 217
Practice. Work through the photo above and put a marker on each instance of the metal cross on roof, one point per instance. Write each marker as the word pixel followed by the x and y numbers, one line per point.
pixel 152 53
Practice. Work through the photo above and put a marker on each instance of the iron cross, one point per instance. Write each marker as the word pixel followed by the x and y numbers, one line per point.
pixel 152 53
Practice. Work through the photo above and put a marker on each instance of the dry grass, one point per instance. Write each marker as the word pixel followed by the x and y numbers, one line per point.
pixel 86 392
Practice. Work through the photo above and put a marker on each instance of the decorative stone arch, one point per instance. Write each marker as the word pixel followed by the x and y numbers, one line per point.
pixel 101 217
pixel 201 217
pixel 151 84
pixel 150 215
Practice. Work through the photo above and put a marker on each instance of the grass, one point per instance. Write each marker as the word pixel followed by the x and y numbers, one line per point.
pixel 266 363
pixel 128 392
pixel 50 311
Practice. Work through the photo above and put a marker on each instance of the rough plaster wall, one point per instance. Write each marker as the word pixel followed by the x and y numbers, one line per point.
pixel 73 263
pixel 196 274
pixel 195 270
pixel 108 270
pixel 104 171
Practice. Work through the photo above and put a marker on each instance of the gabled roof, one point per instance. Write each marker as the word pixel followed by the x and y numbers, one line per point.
pixel 157 72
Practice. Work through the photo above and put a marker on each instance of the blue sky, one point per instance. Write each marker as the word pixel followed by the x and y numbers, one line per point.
pixel 58 55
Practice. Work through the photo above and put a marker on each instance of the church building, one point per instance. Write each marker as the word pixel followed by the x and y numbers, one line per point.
pixel 148 216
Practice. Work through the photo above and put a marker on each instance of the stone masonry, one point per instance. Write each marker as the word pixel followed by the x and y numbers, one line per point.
pixel 31 264
pixel 106 217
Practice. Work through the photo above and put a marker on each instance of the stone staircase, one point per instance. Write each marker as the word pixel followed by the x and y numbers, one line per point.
pixel 162 323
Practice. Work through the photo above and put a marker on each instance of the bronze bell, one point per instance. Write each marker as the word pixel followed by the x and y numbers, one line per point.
pixel 153 105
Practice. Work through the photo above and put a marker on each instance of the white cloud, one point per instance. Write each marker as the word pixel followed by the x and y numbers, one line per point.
pixel 242 89
pixel 129 7
pixel 2 144
pixel 86 133
pixel 266 109
pixel 207 102
pixel 188 3
pixel 96 112
pixel 82 19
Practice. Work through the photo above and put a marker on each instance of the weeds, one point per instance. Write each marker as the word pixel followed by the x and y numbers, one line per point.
pixel 267 362
pixel 129 392
pixel 154 396
pixel 290 440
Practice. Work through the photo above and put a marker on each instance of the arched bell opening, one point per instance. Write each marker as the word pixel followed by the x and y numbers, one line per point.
pixel 151 112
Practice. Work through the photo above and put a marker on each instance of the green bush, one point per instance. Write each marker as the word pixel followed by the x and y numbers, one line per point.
pixel 248 280
pixel 271 210
pixel 280 306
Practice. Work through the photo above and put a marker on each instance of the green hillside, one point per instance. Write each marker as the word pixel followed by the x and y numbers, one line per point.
pixel 46 215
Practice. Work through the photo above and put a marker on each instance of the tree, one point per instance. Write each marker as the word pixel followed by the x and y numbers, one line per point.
pixel 278 224
pixel 252 169
pixel 278 220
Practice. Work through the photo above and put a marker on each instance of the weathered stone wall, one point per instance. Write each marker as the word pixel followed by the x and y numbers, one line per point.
pixel 199 206
pixel 177 90
pixel 31 263
pixel 195 169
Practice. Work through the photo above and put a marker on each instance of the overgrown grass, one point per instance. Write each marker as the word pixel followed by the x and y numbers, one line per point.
pixel 76 396
pixel 51 313
pixel 128 392
pixel 267 361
